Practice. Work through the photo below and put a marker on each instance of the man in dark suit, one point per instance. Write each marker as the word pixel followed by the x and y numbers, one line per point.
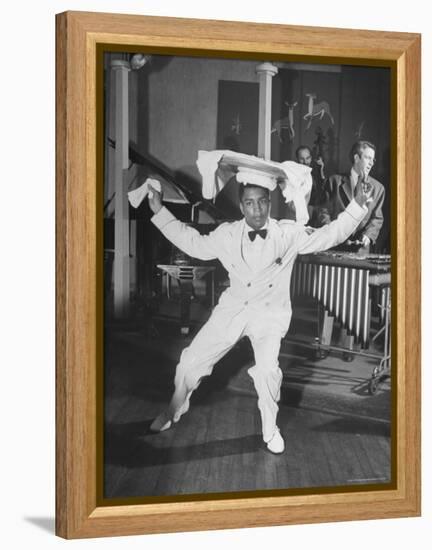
pixel 339 192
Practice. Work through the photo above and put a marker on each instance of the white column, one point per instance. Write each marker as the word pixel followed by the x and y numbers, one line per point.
pixel 121 162
pixel 266 72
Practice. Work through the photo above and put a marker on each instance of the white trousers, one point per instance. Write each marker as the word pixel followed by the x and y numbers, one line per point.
pixel 210 345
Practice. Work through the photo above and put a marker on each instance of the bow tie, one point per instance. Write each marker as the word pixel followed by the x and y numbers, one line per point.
pixel 261 232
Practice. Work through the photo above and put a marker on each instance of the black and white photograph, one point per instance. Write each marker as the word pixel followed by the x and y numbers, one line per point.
pixel 247 277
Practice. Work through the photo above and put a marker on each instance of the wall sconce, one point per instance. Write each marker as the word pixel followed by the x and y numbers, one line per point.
pixel 138 60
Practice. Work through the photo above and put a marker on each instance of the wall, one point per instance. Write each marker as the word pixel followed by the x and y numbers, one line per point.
pixel 181 115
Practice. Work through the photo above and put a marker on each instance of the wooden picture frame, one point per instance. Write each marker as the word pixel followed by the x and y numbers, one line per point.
pixel 78 295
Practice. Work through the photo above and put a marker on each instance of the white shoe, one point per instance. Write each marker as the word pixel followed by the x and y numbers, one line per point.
pixel 183 408
pixel 164 421
pixel 161 423
pixel 276 444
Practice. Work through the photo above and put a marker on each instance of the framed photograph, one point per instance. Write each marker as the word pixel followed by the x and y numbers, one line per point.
pixel 238 274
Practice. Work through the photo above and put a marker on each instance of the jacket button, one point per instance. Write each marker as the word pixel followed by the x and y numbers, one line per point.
pixel 249 284
pixel 246 303
pixel 270 285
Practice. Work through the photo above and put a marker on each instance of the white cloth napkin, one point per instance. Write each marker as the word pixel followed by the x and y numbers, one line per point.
pixel 295 181
pixel 208 165
pixel 136 196
pixel 297 187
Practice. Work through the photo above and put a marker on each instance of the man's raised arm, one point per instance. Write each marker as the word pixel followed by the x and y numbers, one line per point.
pixel 342 227
pixel 186 238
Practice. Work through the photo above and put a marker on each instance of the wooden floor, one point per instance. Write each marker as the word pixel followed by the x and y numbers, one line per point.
pixel 217 446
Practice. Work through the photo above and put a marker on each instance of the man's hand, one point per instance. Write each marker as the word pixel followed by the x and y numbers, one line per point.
pixel 363 192
pixel 365 241
pixel 155 199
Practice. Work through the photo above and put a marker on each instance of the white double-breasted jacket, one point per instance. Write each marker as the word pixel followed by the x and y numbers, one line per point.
pixel 261 295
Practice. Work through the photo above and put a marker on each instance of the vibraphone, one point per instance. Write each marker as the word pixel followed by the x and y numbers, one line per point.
pixel 344 284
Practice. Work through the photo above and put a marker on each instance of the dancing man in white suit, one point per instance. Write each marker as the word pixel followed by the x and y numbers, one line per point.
pixel 258 252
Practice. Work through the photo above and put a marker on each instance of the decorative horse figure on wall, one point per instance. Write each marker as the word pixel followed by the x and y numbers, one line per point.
pixel 317 109
pixel 286 123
